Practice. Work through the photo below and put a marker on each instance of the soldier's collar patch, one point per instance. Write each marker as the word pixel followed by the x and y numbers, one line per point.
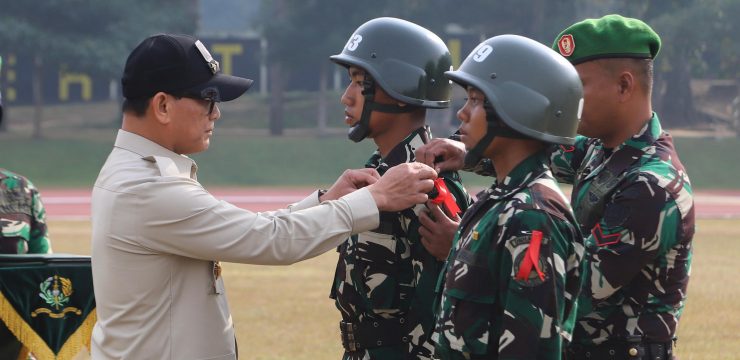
pixel 567 148
pixel 566 45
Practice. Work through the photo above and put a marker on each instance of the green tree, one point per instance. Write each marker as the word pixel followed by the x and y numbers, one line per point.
pixel 301 32
pixel 89 35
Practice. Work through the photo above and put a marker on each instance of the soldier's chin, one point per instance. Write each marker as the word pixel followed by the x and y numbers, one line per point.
pixel 584 130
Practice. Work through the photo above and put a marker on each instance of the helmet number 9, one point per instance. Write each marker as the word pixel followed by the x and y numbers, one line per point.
pixel 354 42
pixel 482 52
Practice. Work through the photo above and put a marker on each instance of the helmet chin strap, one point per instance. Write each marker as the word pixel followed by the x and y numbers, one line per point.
pixel 496 127
pixel 361 129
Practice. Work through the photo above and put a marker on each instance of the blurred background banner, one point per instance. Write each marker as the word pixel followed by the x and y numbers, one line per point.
pixel 61 85
pixel 72 51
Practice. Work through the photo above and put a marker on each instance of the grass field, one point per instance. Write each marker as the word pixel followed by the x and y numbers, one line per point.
pixel 78 138
pixel 285 312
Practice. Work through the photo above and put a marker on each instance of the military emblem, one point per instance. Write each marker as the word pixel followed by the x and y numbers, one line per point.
pixel 530 268
pixel 212 63
pixel 55 291
pixel 566 45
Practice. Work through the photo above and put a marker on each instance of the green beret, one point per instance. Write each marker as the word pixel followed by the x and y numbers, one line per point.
pixel 612 36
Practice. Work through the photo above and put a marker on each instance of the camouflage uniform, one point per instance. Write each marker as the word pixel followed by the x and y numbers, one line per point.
pixel 498 303
pixel 22 231
pixel 22 217
pixel 639 239
pixel 386 276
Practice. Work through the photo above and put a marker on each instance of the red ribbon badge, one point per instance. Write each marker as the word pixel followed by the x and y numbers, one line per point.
pixel 445 198
pixel 531 258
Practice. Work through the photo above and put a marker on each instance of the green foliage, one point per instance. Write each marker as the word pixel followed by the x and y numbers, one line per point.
pixel 300 31
pixel 89 35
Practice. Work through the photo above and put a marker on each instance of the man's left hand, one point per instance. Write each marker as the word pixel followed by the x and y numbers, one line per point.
pixel 350 181
pixel 437 231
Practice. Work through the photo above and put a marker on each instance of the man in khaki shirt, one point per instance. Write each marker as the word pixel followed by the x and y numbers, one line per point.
pixel 158 234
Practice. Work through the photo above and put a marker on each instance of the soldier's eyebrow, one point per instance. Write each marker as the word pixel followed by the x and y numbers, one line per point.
pixel 356 73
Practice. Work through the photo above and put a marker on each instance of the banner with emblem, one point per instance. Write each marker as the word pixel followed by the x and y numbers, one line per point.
pixel 47 302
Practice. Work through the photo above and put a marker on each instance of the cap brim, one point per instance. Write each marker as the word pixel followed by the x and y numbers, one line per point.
pixel 229 87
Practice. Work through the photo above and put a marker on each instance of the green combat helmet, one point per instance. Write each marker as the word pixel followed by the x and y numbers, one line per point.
pixel 406 60
pixel 529 87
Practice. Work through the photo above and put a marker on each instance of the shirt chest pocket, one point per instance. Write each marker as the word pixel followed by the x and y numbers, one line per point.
pixel 377 265
pixel 16 219
pixel 15 201
pixel 470 296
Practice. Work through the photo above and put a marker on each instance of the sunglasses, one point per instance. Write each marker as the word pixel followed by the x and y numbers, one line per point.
pixel 211 95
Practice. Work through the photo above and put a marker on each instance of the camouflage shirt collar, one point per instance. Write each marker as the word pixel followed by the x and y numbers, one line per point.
pixel 401 153
pixel 521 176
pixel 646 136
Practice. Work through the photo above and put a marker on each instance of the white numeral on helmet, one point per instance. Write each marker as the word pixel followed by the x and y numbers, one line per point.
pixel 354 42
pixel 482 53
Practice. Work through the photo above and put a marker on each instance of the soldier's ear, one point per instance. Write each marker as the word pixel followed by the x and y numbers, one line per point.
pixel 161 107
pixel 627 85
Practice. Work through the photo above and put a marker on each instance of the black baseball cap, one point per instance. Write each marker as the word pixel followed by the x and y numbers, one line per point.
pixel 178 65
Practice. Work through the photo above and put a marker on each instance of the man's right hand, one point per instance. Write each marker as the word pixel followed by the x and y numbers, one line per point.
pixel 451 152
pixel 403 186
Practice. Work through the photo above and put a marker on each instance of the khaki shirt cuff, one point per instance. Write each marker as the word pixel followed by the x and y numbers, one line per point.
pixel 309 202
pixel 364 210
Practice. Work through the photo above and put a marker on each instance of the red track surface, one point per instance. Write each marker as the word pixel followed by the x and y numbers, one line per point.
pixel 64 204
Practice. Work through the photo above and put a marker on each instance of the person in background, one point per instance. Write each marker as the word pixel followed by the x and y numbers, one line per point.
pixel 23 229
pixel 631 195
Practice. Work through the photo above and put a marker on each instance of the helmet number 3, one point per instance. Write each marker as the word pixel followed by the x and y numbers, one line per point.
pixel 354 42
pixel 482 52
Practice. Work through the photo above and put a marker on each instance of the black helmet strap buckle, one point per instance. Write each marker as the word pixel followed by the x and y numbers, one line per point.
pixel 496 127
pixel 361 129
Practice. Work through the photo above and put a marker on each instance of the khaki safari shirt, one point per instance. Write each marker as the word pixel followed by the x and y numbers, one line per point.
pixel 156 236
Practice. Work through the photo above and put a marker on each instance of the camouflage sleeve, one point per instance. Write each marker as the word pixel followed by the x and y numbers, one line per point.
pixel 38 242
pixel 540 271
pixel 566 159
pixel 638 222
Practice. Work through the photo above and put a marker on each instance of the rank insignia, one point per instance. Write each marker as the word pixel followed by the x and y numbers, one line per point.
pixel 216 269
pixel 601 239
pixel 475 235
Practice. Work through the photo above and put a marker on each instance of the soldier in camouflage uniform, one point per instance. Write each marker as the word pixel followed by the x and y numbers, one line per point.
pixel 22 229
pixel 385 278
pixel 512 276
pixel 631 195
pixel 22 217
